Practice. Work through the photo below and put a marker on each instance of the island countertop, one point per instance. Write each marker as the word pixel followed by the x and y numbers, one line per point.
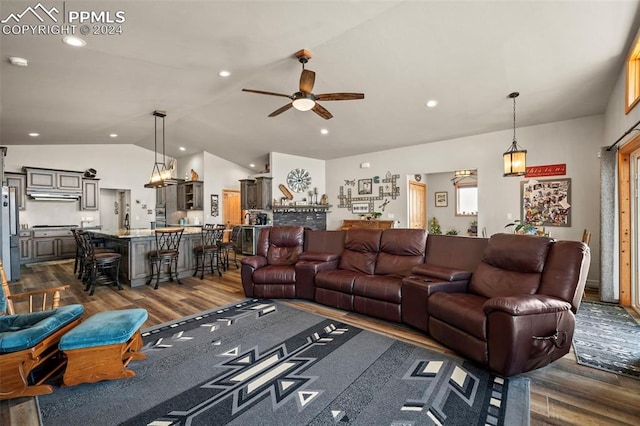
pixel 135 244
pixel 140 233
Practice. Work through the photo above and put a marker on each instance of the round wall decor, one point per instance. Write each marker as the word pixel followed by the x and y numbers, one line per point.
pixel 298 180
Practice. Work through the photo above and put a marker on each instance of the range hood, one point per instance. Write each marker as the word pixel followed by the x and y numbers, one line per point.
pixel 54 196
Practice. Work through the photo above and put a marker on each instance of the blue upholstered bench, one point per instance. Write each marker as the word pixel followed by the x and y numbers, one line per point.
pixel 102 346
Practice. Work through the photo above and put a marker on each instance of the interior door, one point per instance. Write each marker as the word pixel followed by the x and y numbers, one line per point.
pixel 231 213
pixel 417 205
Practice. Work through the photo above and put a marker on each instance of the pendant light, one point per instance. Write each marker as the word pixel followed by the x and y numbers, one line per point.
pixel 515 159
pixel 160 175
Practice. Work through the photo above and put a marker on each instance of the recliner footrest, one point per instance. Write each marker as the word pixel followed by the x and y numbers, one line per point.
pixel 101 347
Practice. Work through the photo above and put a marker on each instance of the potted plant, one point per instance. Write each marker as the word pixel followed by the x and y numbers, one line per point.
pixel 452 231
pixel 521 227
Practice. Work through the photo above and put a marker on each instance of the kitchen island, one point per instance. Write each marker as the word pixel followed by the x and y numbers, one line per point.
pixel 134 246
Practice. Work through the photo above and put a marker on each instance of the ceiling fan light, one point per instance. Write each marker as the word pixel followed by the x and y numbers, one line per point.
pixel 303 104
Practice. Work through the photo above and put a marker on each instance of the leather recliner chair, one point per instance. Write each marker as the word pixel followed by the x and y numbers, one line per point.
pixel 271 273
pixel 517 313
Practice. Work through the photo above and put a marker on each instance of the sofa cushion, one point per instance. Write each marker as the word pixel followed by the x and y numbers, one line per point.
pixel 337 279
pixel 511 264
pixel 400 250
pixel 380 287
pixel 275 274
pixel 463 311
pixel 285 245
pixel 23 331
pixel 104 328
pixel 361 247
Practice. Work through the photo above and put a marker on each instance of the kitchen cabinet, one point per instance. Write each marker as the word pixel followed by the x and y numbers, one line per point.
pixel 90 194
pixel 255 194
pixel 53 180
pixel 190 195
pixel 52 244
pixel 161 196
pixel 25 247
pixel 19 181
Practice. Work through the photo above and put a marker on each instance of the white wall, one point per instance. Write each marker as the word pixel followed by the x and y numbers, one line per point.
pixel 282 164
pixel 118 167
pixel 440 182
pixel 219 174
pixel 574 142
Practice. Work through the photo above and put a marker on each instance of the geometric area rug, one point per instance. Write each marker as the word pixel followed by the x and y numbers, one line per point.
pixel 607 338
pixel 260 362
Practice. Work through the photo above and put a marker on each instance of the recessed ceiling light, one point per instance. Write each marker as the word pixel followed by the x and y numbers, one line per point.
pixel 324 131
pixel 113 135
pixel 182 148
pixel 252 165
pixel 34 134
pixel 18 62
pixel 431 103
pixel 224 73
pixel 74 41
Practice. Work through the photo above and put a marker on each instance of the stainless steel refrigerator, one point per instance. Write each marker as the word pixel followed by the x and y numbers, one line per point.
pixel 10 233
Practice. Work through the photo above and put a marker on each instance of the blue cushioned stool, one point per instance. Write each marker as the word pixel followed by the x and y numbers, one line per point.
pixel 102 346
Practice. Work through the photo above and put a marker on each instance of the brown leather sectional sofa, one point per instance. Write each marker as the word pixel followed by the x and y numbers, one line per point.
pixel 507 302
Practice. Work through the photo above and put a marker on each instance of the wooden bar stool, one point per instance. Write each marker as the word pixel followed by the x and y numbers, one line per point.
pixel 166 254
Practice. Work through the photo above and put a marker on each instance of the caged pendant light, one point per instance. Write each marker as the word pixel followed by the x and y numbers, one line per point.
pixel 515 158
pixel 160 175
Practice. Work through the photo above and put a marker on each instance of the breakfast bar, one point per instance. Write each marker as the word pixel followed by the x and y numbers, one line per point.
pixel 135 244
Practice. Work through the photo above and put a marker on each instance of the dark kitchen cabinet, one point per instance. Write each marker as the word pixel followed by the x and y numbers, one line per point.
pixel 191 195
pixel 19 181
pixel 255 194
pixel 90 194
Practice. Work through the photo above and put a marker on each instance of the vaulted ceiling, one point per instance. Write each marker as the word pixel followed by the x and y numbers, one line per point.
pixel 563 57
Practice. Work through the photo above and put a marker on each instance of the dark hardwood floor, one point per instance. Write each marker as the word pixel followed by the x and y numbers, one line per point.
pixel 563 393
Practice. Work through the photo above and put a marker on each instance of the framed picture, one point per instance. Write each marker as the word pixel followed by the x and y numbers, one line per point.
pixel 360 208
pixel 442 199
pixel 365 186
pixel 546 202
pixel 214 205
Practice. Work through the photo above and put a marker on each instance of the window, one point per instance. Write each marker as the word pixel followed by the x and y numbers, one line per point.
pixel 466 199
pixel 632 94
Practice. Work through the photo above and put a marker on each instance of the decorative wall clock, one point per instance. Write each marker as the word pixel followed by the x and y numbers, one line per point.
pixel 298 180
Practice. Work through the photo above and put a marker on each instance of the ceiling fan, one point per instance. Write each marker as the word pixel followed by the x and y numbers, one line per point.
pixel 304 99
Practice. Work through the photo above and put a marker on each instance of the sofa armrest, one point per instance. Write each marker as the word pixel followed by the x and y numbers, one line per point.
pixel 254 261
pixel 441 272
pixel 526 304
pixel 319 257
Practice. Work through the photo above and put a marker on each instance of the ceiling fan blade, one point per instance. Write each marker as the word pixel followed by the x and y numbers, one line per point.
pixel 262 92
pixel 339 96
pixel 281 110
pixel 321 111
pixel 307 78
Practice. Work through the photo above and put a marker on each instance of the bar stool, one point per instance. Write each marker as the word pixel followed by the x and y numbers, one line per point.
pixel 166 253
pixel 208 248
pixel 78 265
pixel 98 267
pixel 229 246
